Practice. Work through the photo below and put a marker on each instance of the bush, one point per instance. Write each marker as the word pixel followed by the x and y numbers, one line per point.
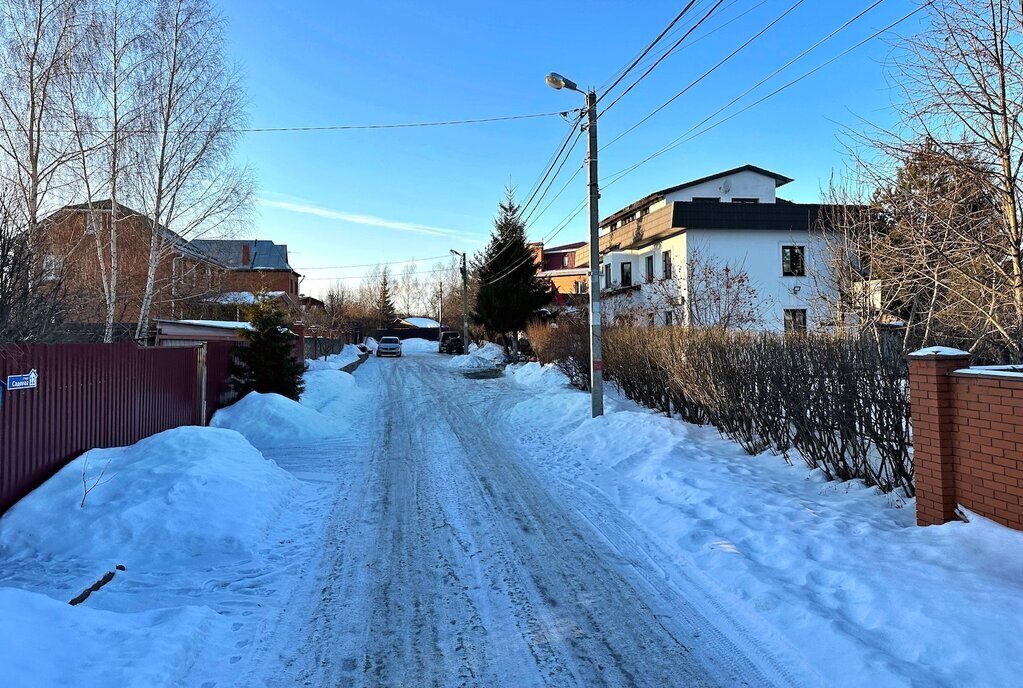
pixel 566 345
pixel 841 403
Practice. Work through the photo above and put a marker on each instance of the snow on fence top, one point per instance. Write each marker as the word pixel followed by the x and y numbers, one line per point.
pixel 938 351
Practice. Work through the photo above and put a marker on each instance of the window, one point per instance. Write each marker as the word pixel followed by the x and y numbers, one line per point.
pixel 52 267
pixel 564 261
pixel 746 200
pixel 607 276
pixel 706 199
pixel 792 261
pixel 90 223
pixel 666 265
pixel 580 286
pixel 795 320
pixel 649 268
pixel 627 274
pixel 668 318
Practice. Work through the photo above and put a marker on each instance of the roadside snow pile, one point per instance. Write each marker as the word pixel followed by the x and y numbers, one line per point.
pixel 536 375
pixel 836 572
pixel 418 346
pixel 334 394
pixel 349 354
pixel 46 642
pixel 271 420
pixel 187 493
pixel 489 350
pixel 471 362
pixel 371 343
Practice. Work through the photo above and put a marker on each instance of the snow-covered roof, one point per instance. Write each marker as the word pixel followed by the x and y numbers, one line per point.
pixel 415 321
pixel 219 324
pixel 938 351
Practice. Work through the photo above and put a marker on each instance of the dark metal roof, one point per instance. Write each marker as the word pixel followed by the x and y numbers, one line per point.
pixel 263 253
pixel 767 216
pixel 564 247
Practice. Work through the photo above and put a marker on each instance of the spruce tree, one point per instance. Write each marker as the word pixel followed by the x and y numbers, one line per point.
pixel 268 364
pixel 509 290
pixel 385 303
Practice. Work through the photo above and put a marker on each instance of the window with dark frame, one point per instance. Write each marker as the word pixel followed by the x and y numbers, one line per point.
pixel 795 319
pixel 666 265
pixel 649 268
pixel 626 274
pixel 793 263
pixel 668 318
pixel 607 276
pixel 748 201
pixel 564 261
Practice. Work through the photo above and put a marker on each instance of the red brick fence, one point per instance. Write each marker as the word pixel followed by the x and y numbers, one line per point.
pixel 967 437
pixel 98 395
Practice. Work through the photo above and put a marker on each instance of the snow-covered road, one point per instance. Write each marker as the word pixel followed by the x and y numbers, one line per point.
pixel 448 560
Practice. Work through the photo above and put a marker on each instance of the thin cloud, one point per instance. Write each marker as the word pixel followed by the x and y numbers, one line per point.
pixel 369 220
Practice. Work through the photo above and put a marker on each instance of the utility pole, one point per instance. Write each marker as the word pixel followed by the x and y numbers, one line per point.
pixel 558 82
pixel 465 301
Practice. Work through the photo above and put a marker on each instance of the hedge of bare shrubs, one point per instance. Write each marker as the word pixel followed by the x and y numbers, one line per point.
pixel 839 403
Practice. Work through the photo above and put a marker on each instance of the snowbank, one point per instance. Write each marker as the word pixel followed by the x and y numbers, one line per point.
pixel 185 493
pixel 47 642
pixel 837 571
pixel 471 362
pixel 537 376
pixel 489 350
pixel 418 346
pixel 349 354
pixel 336 395
pixel 271 420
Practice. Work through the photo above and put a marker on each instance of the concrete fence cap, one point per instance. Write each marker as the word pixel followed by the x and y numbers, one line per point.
pixel 939 351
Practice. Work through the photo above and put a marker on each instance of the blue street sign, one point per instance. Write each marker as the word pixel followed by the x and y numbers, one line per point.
pixel 27 380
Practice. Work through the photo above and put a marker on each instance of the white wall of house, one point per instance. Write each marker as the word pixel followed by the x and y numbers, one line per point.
pixel 757 252
pixel 745 184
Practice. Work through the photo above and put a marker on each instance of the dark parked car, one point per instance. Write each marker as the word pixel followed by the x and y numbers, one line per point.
pixel 445 337
pixel 454 345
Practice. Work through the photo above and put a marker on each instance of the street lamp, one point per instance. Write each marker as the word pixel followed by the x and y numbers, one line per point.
pixel 558 82
pixel 465 301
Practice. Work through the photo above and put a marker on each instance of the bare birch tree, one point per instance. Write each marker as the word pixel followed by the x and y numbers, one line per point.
pixel 37 39
pixel 184 174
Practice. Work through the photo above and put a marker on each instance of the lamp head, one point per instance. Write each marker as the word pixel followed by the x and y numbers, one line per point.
pixel 558 82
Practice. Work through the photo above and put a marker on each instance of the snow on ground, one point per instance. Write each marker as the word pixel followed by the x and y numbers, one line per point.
pixel 349 354
pixel 838 570
pixel 472 361
pixel 418 346
pixel 271 420
pixel 489 350
pixel 169 507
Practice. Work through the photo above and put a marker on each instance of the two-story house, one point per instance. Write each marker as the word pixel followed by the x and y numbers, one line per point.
pixel 731 219
pixel 558 263
pixel 254 265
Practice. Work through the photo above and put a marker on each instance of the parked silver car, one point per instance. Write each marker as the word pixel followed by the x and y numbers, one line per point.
pixel 389 346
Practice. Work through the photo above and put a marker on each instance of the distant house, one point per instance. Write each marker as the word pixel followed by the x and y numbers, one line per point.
pixel 254 265
pixel 558 263
pixel 730 218
pixel 414 322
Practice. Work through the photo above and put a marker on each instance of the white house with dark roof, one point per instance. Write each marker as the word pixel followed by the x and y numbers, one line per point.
pixel 733 218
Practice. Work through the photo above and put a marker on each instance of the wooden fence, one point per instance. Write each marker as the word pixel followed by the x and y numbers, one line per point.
pixel 60 400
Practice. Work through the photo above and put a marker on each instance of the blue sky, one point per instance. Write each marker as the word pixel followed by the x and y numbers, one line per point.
pixel 355 197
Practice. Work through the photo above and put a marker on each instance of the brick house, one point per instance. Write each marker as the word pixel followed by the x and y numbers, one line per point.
pixel 558 263
pixel 254 265
pixel 186 277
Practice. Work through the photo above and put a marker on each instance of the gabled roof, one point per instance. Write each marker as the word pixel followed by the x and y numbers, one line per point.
pixel 182 245
pixel 779 180
pixel 565 248
pixel 263 253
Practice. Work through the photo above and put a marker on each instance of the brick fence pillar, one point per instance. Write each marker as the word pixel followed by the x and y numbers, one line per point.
pixel 299 329
pixel 930 394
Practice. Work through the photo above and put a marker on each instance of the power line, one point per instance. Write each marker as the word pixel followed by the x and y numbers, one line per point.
pixel 684 139
pixel 663 56
pixel 646 50
pixel 551 183
pixel 328 127
pixel 370 265
pixel 347 277
pixel 710 71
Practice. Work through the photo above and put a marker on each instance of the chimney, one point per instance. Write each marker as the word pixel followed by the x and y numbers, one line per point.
pixel 245 254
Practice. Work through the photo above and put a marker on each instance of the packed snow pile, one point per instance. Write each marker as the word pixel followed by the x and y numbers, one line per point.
pixel 185 493
pixel 837 571
pixel 536 375
pixel 489 350
pixel 418 346
pixel 349 354
pixel 370 344
pixel 334 394
pixel 471 362
pixel 47 642
pixel 271 420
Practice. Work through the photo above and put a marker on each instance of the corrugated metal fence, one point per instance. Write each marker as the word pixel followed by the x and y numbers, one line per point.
pixel 96 395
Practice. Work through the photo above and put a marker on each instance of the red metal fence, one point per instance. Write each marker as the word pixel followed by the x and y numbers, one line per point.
pixel 96 395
